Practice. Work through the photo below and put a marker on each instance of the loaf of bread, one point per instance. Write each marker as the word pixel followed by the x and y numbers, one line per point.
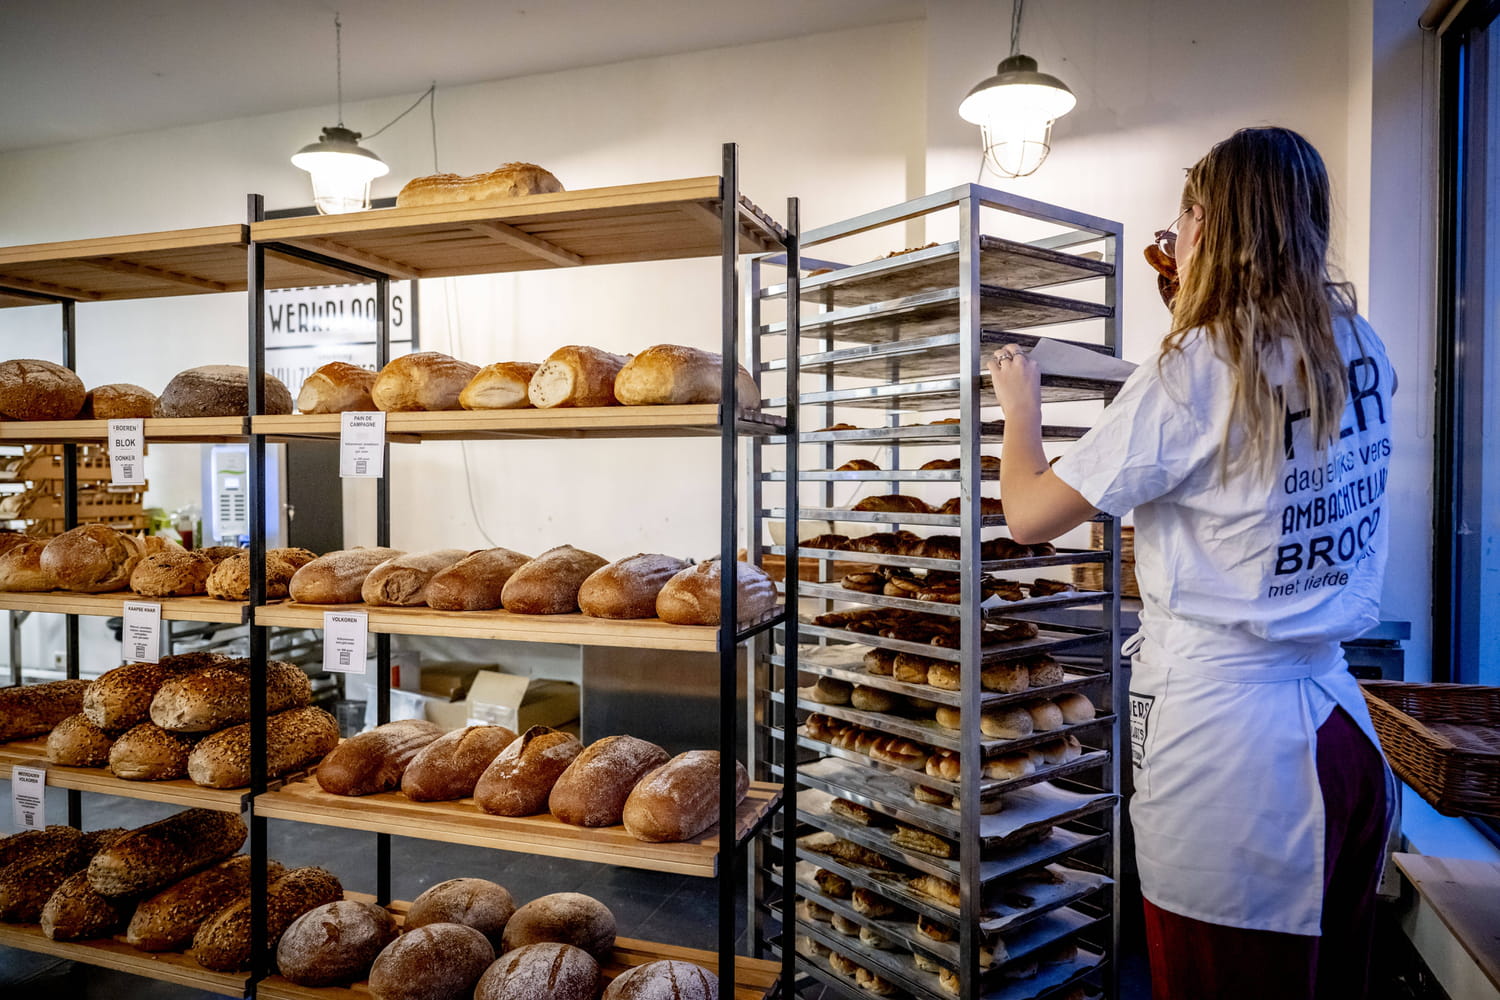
pixel 374 761
pixel 21 568
pixel 503 385
pixel 75 912
pixel 664 980
pixel 35 708
pixel 172 573
pixel 545 971
pixel 334 943
pixel 27 884
pixel 336 387
pixel 77 742
pixel 1075 708
pixel 520 779
pixel 510 180
pixel 29 845
pixel 219 391
pixel 564 918
pixel 576 376
pixel 474 583
pixel 680 799
pixel 160 853
pixel 148 752
pixel 218 553
pixel 450 766
pixel 671 374
pixel 295 740
pixel 212 697
pixel 32 389
pixel 168 920
pixel 91 559
pixel 474 902
pixel 402 581
pixel 692 596
pixel 426 380
pixel 1006 723
pixel 118 401
pixel 436 962
pixel 549 584
pixel 894 503
pixel 222 942
pixel 627 588
pixel 230 579
pixel 338 577
pixel 593 789
pixel 122 697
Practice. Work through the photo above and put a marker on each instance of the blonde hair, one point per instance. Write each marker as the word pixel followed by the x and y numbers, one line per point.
pixel 1260 289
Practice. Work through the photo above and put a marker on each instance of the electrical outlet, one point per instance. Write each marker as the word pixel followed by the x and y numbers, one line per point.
pixel 59 659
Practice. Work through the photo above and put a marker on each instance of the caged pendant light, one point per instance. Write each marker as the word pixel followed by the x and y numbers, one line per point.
pixel 341 168
pixel 1015 109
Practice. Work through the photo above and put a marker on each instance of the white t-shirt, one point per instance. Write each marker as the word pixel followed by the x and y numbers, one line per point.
pixel 1299 559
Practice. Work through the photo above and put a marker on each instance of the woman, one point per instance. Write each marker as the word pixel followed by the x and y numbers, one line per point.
pixel 1254 450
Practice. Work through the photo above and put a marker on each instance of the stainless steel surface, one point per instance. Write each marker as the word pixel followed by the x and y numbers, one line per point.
pixel 882 517
pixel 945 394
pixel 1064 557
pixel 937 312
pixel 837 592
pixel 1048 640
pixel 672 696
pixel 903 360
pixel 933 434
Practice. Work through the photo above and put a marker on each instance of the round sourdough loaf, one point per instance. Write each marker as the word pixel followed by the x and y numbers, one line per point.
pixel 118 401
pixel 334 943
pixel 21 567
pixel 218 391
pixel 436 962
pixel 31 389
pixel 664 981
pixel 426 380
pixel 172 573
pixel 474 902
pixel 336 387
pixel 545 971
pixel 692 596
pixel 91 559
pixel 564 918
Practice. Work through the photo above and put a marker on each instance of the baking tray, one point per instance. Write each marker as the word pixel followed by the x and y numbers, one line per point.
pixel 937 356
pixel 1049 638
pixel 944 394
pixel 885 517
pixel 925 434
pixel 1004 609
pixel 938 311
pixel 1063 557
pixel 878 476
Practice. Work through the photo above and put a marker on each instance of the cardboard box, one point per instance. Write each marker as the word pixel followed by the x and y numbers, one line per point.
pixel 518 703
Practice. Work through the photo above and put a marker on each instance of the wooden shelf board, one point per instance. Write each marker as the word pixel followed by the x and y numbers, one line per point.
pixel 171 967
pixel 177 609
pixel 33 753
pixel 571 629
pixel 462 822
pixel 583 422
pixel 158 430
pixel 1465 894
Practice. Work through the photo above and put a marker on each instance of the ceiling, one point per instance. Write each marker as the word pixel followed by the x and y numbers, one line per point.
pixel 85 69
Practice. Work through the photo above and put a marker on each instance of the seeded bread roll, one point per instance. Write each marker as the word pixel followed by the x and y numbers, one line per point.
pixel 168 920
pixel 338 577
pixel 1006 723
pixel 122 697
pixel 402 581
pixel 295 740
pixel 549 584
pixel 1044 670
pixel 576 376
pixel 334 943
pixel 565 918
pixel 593 790
pixel 222 942
pixel 671 374
pixel 219 391
pixel 473 902
pixel 31 389
pixel 503 385
pixel 520 779
pixel 160 853
pixel 474 583
pixel 172 573
pixel 545 971
pixel 21 568
pixel 436 962
pixel 35 708
pixel 665 980
pixel 75 912
pixel 692 596
pixel 118 401
pixel 150 753
pixel 680 799
pixel 374 761
pixel 200 701
pixel 230 580
pixel 77 742
pixel 336 387
pixel 450 766
pixel 627 588
pixel 426 380
pixel 91 559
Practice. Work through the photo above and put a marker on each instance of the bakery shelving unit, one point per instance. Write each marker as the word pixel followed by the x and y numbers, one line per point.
pixel 150 265
pixel 903 338
pixel 697 217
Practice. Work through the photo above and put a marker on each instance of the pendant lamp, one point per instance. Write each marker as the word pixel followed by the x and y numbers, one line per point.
pixel 1015 109
pixel 341 168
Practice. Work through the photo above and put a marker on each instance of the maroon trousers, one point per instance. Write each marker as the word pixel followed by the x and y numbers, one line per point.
pixel 1193 960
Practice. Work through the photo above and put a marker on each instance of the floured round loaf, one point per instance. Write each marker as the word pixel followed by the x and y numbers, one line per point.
pixel 77 742
pixel 503 385
pixel 374 761
pixel 675 375
pixel 680 799
pixel 436 962
pixel 402 580
pixel 474 902
pixel 449 766
pixel 519 780
pixel 168 920
pixel 338 577
pixel 474 583
pixel 665 980
pixel 91 559
pixel 627 588
pixel 593 790
pixel 21 568
pixel 576 375
pixel 31 389
pixel 222 942
pixel 564 918
pixel 295 740
pixel 219 391
pixel 544 971
pixel 426 380
pixel 336 387
pixel 334 943
pixel 692 596
pixel 172 573
pixel 549 584
pixel 510 180
pixel 118 401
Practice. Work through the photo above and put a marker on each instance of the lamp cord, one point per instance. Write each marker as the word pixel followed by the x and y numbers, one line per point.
pixel 338 62
pixel 1015 26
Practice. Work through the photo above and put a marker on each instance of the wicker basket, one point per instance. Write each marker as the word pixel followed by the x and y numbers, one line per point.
pixel 1090 576
pixel 1443 740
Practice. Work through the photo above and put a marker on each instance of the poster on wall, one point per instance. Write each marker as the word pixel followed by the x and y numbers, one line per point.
pixel 307 328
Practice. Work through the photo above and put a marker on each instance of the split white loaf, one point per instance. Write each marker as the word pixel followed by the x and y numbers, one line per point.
pixel 426 380
pixel 671 374
pixel 402 582
pixel 576 375
pixel 336 387
pixel 338 577
pixel 504 385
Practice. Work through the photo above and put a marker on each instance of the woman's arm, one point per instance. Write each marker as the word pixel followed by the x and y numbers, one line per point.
pixel 1038 505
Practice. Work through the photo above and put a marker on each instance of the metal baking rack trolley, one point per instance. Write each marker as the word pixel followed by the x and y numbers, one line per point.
pixel 927 641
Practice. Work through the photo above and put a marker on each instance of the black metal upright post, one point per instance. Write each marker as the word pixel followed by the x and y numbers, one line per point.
pixel 256 295
pixel 792 577
pixel 383 538
pixel 728 564
pixel 70 521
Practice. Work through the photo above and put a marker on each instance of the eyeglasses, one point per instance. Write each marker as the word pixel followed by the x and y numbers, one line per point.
pixel 1166 239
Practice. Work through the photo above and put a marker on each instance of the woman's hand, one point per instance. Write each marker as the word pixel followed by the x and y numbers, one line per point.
pixel 1017 381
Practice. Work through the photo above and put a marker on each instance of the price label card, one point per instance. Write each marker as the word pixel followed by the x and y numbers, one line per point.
pixel 346 639
pixel 127 446
pixel 28 797
pixel 362 445
pixel 141 636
